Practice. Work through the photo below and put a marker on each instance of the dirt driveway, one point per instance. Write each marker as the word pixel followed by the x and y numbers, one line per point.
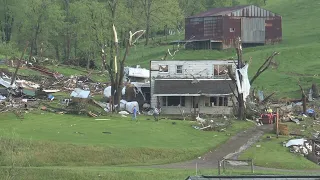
pixel 231 149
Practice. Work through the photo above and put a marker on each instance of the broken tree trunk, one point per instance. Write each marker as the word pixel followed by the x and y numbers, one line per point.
pixel 240 64
pixel 13 78
pixel 315 91
pixel 304 99
pixel 241 110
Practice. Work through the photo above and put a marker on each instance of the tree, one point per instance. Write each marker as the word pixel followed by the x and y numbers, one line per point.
pixel 116 64
pixel 220 3
pixel 257 2
pixel 7 12
pixel 241 108
pixel 192 7
pixel 158 11
pixel 39 20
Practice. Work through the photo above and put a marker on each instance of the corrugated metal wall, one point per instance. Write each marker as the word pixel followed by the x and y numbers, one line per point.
pixel 252 11
pixel 204 28
pixel 252 23
pixel 253 30
pixel 273 30
pixel 231 30
pixel 194 28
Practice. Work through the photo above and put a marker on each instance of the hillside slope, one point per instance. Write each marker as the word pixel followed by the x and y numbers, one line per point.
pixel 299 57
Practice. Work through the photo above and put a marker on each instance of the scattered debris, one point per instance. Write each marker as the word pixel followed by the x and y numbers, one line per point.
pixel 92 114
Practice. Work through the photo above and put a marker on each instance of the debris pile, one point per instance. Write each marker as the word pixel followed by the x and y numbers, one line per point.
pixel 308 148
pixel 214 124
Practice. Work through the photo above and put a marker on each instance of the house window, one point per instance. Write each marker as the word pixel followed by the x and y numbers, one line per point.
pixel 179 69
pixel 232 29
pixel 163 68
pixel 195 102
pixel 220 71
pixel 164 101
pixel 216 101
pixel 173 101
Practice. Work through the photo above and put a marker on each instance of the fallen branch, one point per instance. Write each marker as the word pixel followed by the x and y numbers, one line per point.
pixel 267 98
pixel 263 67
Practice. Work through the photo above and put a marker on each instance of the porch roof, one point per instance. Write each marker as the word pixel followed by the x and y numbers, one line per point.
pixel 165 87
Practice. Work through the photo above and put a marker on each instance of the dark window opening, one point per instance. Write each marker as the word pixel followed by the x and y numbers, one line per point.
pixel 174 101
pixel 221 71
pixel 164 101
pixel 195 102
pixel 232 29
pixel 216 101
pixel 163 68
pixel 213 101
pixel 179 69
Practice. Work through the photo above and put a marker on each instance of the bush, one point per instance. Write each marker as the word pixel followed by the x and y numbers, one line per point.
pixel 8 50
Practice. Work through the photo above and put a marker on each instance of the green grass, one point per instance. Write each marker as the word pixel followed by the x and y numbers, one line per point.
pixel 272 154
pixel 76 140
pixel 92 173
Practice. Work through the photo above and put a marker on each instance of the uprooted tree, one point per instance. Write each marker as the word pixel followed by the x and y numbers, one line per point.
pixel 241 81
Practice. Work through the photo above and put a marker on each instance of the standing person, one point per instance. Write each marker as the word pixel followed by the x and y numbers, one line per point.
pixel 134 113
pixel 156 113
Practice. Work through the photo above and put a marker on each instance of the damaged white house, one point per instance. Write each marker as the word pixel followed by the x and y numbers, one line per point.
pixel 199 85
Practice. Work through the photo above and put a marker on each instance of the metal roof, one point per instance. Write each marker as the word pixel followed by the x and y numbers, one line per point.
pixel 219 11
pixel 244 10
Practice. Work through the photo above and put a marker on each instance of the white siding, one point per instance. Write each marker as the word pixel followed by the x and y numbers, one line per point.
pixel 201 69
pixel 198 68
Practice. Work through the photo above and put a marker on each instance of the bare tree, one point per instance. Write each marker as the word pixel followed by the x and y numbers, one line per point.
pixel 241 108
pixel 267 63
pixel 240 64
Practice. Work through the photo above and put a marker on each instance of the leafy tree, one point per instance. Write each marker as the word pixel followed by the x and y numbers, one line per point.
pixel 7 17
pixel 37 23
pixel 257 2
pixel 157 12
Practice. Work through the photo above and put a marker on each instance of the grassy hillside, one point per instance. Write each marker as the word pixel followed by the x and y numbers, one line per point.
pixel 299 52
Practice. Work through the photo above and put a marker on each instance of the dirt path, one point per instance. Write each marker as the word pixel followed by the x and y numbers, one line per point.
pixel 231 150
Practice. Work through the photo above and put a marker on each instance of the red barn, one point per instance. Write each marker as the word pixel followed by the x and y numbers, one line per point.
pixel 218 28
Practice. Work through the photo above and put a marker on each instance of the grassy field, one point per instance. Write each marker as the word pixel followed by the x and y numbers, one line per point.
pixel 111 173
pixel 272 154
pixel 77 140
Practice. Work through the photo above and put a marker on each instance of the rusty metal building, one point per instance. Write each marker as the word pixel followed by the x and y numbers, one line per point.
pixel 218 28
